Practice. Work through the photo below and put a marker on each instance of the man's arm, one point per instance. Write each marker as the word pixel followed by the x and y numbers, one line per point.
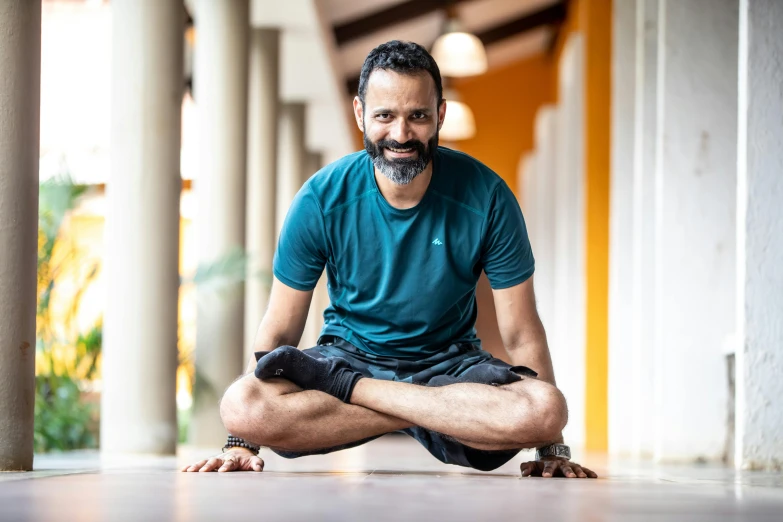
pixel 284 319
pixel 521 329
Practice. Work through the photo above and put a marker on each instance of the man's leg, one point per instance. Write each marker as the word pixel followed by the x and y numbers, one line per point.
pixel 524 414
pixel 278 414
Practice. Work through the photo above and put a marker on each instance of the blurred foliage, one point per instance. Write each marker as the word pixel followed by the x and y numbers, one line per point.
pixel 63 421
pixel 68 356
pixel 216 279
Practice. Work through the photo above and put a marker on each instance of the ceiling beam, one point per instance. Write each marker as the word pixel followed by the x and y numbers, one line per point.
pixel 553 15
pixel 393 15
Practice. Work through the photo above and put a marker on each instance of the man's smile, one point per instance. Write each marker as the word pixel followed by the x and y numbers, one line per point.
pixel 400 153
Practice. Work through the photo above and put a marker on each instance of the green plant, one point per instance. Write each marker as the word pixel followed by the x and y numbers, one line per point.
pixel 63 421
pixel 67 359
pixel 67 356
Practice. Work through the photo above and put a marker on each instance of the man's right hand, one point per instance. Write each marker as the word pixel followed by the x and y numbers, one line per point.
pixel 235 459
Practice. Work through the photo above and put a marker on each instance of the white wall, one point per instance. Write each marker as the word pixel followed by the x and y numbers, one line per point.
pixel 695 224
pixel 759 415
pixel 621 400
pixel 544 245
pixel 567 343
pixel 644 221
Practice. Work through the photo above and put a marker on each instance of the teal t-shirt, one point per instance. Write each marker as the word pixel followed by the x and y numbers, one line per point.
pixel 402 282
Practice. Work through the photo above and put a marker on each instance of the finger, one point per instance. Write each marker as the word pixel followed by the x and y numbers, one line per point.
pixel 567 472
pixel 257 463
pixel 527 468
pixel 590 473
pixel 211 464
pixel 579 471
pixel 196 466
pixel 549 468
pixel 228 465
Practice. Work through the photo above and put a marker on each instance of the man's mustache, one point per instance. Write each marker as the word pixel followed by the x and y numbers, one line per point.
pixel 410 144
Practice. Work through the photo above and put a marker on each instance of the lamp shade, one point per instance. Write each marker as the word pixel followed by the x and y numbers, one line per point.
pixel 459 54
pixel 459 123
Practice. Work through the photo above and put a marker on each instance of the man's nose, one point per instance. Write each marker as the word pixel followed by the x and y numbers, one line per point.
pixel 400 131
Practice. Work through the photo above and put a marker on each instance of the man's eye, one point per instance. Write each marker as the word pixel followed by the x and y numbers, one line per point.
pixel 419 115
pixel 383 116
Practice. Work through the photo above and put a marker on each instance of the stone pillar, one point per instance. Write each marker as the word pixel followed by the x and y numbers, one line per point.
pixel 643 224
pixel 20 99
pixel 315 317
pixel 292 158
pixel 261 176
pixel 568 339
pixel 546 157
pixel 221 94
pixel 138 402
pixel 621 402
pixel 313 164
pixel 695 228
pixel 759 413
pixel 528 196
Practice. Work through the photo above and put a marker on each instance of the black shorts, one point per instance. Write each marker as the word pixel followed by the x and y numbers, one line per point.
pixel 463 362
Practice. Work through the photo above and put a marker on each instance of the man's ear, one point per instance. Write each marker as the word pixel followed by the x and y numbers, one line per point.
pixel 441 113
pixel 358 112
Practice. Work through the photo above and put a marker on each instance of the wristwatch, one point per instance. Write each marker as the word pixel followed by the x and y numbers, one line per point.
pixel 554 450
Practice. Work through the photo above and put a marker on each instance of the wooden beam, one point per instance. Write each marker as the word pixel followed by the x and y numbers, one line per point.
pixel 553 15
pixel 392 15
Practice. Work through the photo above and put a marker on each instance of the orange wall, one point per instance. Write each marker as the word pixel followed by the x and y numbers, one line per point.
pixel 596 20
pixel 593 18
pixel 504 102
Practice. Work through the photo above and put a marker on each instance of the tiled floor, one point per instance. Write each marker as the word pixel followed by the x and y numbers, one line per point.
pixel 389 479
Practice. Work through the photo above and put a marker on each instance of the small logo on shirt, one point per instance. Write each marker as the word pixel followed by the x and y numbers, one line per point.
pixel 437 241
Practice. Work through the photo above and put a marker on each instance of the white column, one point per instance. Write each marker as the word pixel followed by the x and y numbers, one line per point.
pixel 695 224
pixel 643 230
pixel 568 343
pixel 20 98
pixel 528 201
pixel 543 251
pixel 315 160
pixel 220 93
pixel 292 159
pixel 315 317
pixel 759 413
pixel 621 401
pixel 138 401
pixel 261 176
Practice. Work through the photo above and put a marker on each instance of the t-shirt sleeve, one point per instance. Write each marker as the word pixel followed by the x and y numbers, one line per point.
pixel 301 251
pixel 506 253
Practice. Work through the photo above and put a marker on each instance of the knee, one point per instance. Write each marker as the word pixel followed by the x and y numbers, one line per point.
pixel 245 411
pixel 545 415
pixel 552 411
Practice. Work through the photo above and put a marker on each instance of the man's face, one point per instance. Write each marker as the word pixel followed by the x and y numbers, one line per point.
pixel 400 120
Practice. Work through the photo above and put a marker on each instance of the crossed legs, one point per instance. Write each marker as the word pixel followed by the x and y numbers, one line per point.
pixel 278 414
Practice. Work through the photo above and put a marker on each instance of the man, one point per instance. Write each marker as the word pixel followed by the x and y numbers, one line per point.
pixel 404 230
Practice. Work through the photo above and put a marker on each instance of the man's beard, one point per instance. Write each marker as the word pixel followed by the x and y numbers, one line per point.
pixel 401 171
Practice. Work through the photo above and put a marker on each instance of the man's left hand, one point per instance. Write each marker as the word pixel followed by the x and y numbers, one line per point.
pixel 555 467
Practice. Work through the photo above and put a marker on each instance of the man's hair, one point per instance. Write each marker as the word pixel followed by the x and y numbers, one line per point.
pixel 400 57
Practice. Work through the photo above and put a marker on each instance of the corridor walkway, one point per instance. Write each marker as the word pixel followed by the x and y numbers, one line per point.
pixel 389 479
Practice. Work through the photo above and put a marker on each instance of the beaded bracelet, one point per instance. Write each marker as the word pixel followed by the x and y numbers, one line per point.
pixel 236 442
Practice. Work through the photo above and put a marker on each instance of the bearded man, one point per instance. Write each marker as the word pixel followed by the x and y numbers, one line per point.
pixel 404 230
